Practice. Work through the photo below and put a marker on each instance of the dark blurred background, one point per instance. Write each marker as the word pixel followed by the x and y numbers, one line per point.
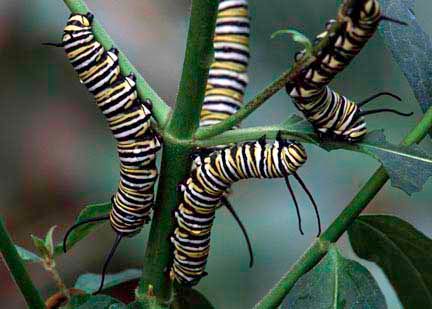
pixel 57 154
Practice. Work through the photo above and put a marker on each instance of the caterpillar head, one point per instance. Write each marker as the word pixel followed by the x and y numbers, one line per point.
pixel 79 22
pixel 357 127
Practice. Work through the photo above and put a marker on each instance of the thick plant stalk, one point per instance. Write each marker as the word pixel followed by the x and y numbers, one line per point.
pixel 199 49
pixel 18 270
pixel 319 248
pixel 177 148
pixel 160 108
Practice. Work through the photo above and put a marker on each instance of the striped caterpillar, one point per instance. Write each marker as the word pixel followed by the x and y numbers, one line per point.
pixel 227 78
pixel 205 189
pixel 129 121
pixel 330 113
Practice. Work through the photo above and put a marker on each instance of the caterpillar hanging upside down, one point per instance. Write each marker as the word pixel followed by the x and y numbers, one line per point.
pixel 205 189
pixel 332 114
pixel 227 78
pixel 129 121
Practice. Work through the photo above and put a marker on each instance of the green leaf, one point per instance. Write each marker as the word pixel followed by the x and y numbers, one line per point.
pixel 292 120
pixel 40 246
pixel 190 299
pixel 90 211
pixel 298 126
pixel 336 282
pixel 137 305
pixel 49 244
pixel 403 253
pixel 146 303
pixel 117 306
pixel 93 301
pixel 28 256
pixel 297 37
pixel 408 167
pixel 90 282
pixel 411 47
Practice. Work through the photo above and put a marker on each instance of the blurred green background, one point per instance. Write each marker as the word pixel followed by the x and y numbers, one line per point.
pixel 57 154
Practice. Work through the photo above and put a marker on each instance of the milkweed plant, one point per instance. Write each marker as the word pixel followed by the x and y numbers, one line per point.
pixel 322 277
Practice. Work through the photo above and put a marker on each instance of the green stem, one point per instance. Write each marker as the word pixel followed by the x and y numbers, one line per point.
pixel 199 50
pixel 250 134
pixel 160 108
pixel 177 148
pixel 158 252
pixel 18 270
pixel 317 251
pixel 299 133
pixel 273 88
pixel 50 266
pixel 210 131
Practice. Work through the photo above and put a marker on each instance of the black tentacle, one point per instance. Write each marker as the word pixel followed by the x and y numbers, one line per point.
pixel 53 44
pixel 393 20
pixel 300 181
pixel 91 220
pixel 230 208
pixel 295 204
pixel 373 97
pixel 108 259
pixel 384 110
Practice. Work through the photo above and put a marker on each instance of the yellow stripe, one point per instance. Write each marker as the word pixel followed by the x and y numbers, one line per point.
pixel 228 65
pixel 237 12
pixel 241 39
pixel 226 92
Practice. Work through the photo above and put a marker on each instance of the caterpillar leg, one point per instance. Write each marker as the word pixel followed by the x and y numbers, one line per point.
pixel 279 136
pixel 198 154
pixel 89 16
pixel 262 140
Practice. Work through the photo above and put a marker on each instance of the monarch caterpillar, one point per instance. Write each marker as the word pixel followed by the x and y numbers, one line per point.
pixel 357 25
pixel 205 189
pixel 335 115
pixel 227 78
pixel 129 121
pixel 330 113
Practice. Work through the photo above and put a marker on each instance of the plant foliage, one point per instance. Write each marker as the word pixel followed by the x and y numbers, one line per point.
pixel 397 247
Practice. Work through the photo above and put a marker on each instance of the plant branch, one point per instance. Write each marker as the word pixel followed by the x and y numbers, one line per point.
pixel 18 270
pixel 254 133
pixel 50 265
pixel 317 251
pixel 274 87
pixel 177 148
pixel 160 109
pixel 198 55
